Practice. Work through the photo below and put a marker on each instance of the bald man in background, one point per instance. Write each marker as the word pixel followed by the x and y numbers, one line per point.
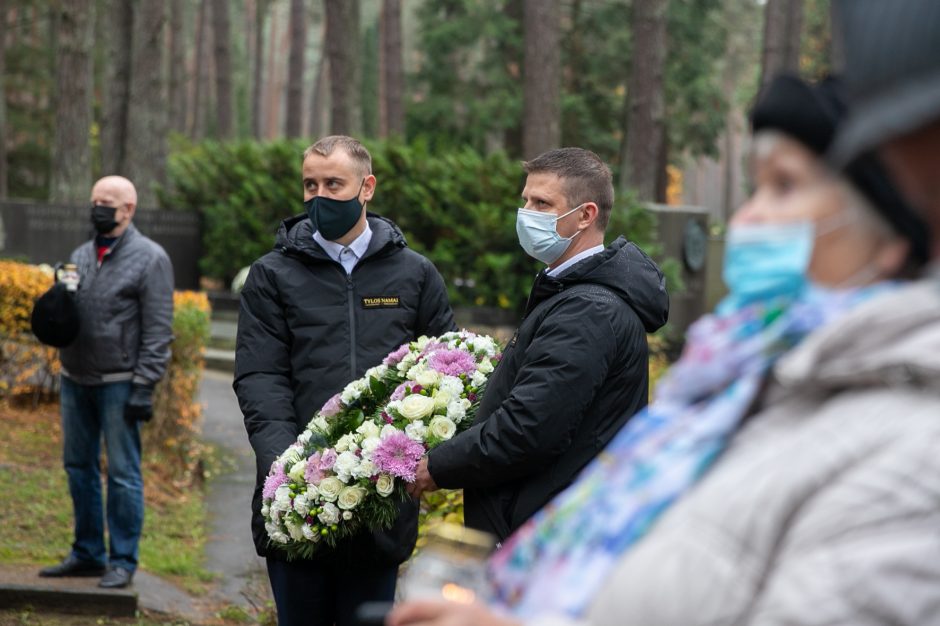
pixel 125 298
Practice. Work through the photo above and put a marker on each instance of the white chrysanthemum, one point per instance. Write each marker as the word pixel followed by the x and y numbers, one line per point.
pixel 415 407
pixel 452 385
pixel 442 428
pixel 484 344
pixel 478 379
pixel 346 464
pixel 330 514
pixel 350 497
pixel 384 485
pixel 329 488
pixel 417 431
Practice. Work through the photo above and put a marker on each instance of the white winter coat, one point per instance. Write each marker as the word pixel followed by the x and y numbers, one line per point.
pixel 825 509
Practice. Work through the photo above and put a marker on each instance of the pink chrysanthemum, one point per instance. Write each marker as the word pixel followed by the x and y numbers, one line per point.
pixel 313 474
pixel 398 455
pixel 432 346
pixel 333 406
pixel 452 362
pixel 394 358
pixel 273 481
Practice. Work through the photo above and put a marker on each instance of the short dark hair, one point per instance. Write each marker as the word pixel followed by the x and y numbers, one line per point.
pixel 353 147
pixel 585 178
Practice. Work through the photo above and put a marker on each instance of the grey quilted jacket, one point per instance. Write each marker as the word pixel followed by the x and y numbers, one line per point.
pixel 126 306
pixel 825 509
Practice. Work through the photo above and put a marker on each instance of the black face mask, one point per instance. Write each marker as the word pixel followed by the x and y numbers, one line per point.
pixel 334 218
pixel 102 217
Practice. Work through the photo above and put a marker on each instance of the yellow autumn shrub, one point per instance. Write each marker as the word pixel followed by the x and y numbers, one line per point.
pixel 25 364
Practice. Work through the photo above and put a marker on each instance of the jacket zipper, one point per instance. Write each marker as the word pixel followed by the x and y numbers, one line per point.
pixel 352 327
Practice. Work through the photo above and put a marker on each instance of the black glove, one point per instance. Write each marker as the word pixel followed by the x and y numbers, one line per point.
pixel 139 407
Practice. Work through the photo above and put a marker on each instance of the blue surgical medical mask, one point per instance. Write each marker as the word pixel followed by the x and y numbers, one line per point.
pixel 765 261
pixel 539 236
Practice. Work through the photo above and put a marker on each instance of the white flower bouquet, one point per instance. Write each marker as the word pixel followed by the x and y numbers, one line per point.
pixel 346 470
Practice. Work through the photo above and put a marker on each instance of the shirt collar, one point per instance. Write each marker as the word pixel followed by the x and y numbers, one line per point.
pixel 578 257
pixel 358 247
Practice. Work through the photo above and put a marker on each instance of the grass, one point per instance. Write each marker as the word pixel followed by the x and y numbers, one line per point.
pixel 9 617
pixel 37 515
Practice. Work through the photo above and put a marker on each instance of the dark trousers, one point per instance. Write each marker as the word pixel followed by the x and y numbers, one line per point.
pixel 308 593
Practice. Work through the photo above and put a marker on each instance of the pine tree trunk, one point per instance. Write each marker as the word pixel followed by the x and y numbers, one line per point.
pixel 3 101
pixel 71 151
pixel 392 73
pixel 643 140
pixel 221 35
pixel 146 150
pixel 318 96
pixel 342 47
pixel 541 123
pixel 783 25
pixel 118 21
pixel 201 73
pixel 176 84
pixel 257 83
pixel 295 72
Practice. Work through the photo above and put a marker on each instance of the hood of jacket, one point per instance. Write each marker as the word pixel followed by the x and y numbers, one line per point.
pixel 624 269
pixel 889 340
pixel 295 236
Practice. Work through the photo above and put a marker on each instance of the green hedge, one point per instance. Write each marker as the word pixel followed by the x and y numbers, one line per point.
pixel 456 207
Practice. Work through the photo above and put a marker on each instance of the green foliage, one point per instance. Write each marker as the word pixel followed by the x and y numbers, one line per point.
pixel 455 206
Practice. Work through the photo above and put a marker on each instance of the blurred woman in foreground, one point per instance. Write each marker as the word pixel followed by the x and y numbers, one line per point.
pixel 788 470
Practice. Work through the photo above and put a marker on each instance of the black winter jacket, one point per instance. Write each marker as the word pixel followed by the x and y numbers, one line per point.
pixel 306 329
pixel 573 374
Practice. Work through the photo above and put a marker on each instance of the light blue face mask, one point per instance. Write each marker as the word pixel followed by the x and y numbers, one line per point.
pixel 766 261
pixel 539 236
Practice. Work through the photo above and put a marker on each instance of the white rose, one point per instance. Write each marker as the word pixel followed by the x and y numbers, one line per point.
pixel 279 537
pixel 416 371
pixel 417 430
pixel 368 429
pixel 265 510
pixel 304 437
pixel 370 444
pixel 387 431
pixel 329 515
pixel 442 428
pixel 320 424
pixel 349 441
pixel 346 464
pixel 385 485
pixel 427 378
pixel 347 515
pixel 350 497
pixel 478 379
pixel 282 498
pixel 452 385
pixel 312 493
pixel 416 407
pixel 456 412
pixel 296 531
pixel 329 488
pixel 301 505
pixel 442 399
pixel 485 367
pixel 296 473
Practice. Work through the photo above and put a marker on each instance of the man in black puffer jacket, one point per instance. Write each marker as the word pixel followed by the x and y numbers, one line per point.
pixel 340 290
pixel 577 368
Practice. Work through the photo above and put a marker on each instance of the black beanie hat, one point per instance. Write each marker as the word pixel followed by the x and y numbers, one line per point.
pixel 55 319
pixel 811 115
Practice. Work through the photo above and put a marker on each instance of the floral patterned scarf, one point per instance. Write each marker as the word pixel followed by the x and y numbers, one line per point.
pixel 558 560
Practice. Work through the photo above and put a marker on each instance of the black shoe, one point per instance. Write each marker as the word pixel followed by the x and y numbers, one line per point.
pixel 72 566
pixel 116 578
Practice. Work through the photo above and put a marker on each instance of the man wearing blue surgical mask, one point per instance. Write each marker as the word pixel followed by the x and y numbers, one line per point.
pixel 340 290
pixel 576 369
